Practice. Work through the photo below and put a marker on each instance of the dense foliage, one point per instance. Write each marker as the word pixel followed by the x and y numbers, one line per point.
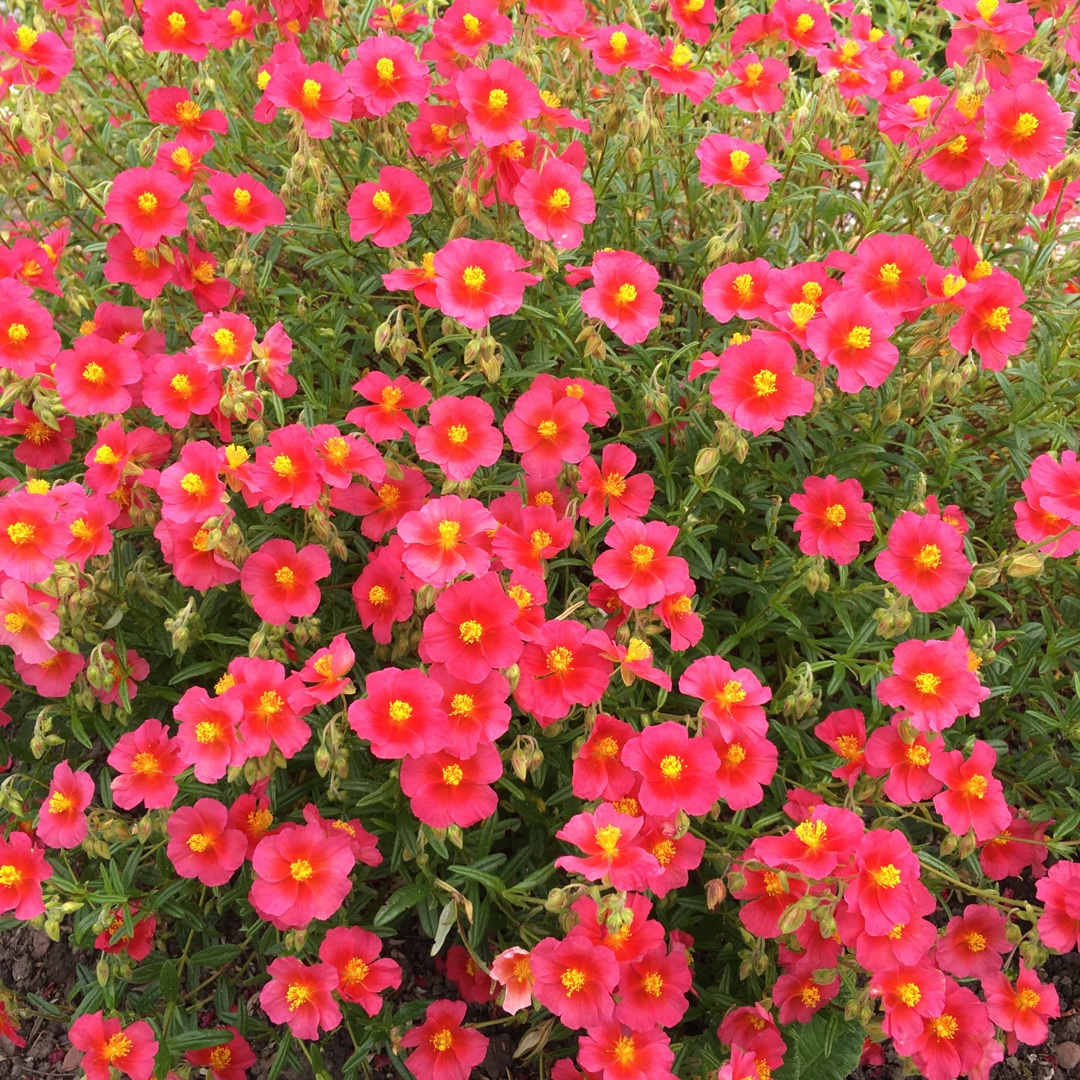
pixel 593 487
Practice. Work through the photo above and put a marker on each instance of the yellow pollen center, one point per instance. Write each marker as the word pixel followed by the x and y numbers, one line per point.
pixel 744 287
pixel 804 24
pixel 560 659
pixel 547 429
pixel 1025 125
pixel 59 803
pixel 200 540
pixel 951 284
pixel 462 705
pixel 847 746
pixel 627 294
pixel 810 996
pixel 300 870
pixel 968 105
pixel 929 557
pixel 909 994
pixel 919 756
pixel 636 650
pixel 836 515
pixel 193 484
pixel 681 55
pixel 811 292
pixel 642 555
pixel 145 763
pixel 470 631
pixel 9 875
pixel 400 711
pixel 573 980
pixel 773 886
pixel 458 434
pixel 449 534
pixel 623 1051
pixel 920 105
pixel 471 24
pixel 225 341
pixel 671 766
pixel 958 146
pixel 802 313
pixel 382 202
pixel 324 666
pixel 296 996
pixel 356 971
pixel 998 319
pixel 283 466
pixel 764 383
pixel 385 69
pixel 606 747
pixel 199 842
pixel 731 693
pixel 617 43
pixel 311 92
pixel 147 202
pixel 896 79
pixel 187 112
pixel 16 332
pixel 15 622
pixel 241 199
pixel 262 80
pixel 812 833
pixel 25 38
pixel 116 1048
pixel 889 273
pixel 378 596
pixel 539 540
pixel 259 821
pixel 94 373
pixel 20 532
pixel 176 22
pixel 552 101
pixel 859 337
pixel 559 199
pixel 498 100
pixel 442 1040
pixel 945 1027
pixel 607 838
pixel 206 731
pixel 1028 998
pixel 753 74
pixel 473 277
pixel 285 576
pixel 886 877
pixel 271 702
pixel 975 942
pixel 221 1056
pixel 736 754
pixel 976 786
pixel 664 852
pixel 739 160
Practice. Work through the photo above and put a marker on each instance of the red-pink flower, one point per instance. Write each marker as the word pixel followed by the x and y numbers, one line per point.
pixel 93 376
pixel 28 342
pixel 924 560
pixel 107 1046
pixel 615 1052
pixel 385 73
pixel 29 621
pixel 910 995
pixel 442 539
pixel 992 322
pixel 478 279
pixel 460 437
pixel 242 202
pixel 953 1043
pixel 932 683
pixel 381 208
pixel 147 204
pixel 611 849
pixel 450 789
pixel 833 520
pixel 974 944
pixel 301 996
pixel 282 581
pixel 1022 1010
pixel 732 162
pixel 179 387
pixel 737 290
pixel 1059 924
pixel 554 203
pixel 314 92
pixel 798 997
pixel 362 974
pixel 599 772
pixel 853 336
pixel 547 431
pixel 62 821
pixel 561 666
pixel 757 385
pixel 202 845
pixel 497 100
pixel 904 765
pixel 466 26
pixel 231 1058
pixel 402 714
pixel 207 735
pixel 815 846
pixel 444 1050
pixel 147 762
pixel 757 88
pixel 175 106
pixel 623 295
pixel 973 797
pixel 385 418
pixel 1025 125
pixel 31 538
pixel 575 979
pixel 637 564
pixel 746 767
pixel 886 889
pixel 301 873
pixel 677 772
pixel 177 26
pixel 731 699
pixel 625 496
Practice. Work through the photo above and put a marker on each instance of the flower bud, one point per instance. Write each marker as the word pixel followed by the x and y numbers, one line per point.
pixel 707 459
pixel 322 761
pixel 715 891
pixel 791 920
pixel 742 448
pixel 987 576
pixel 102 972
pixel 1026 564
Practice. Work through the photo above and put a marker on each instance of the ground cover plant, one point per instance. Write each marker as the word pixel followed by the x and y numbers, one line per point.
pixel 592 488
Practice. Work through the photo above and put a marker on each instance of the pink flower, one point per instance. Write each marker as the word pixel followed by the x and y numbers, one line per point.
pixel 362 974
pixel 547 430
pixel 62 821
pixel 447 789
pixel 512 969
pixel 737 290
pixel 1023 1010
pixel 478 279
pixel 554 203
pixel 301 996
pixel 461 436
pixel 381 209
pixel 833 520
pixel 924 560
pixel 623 295
pixel 201 844
pixel 1024 124
pixel 732 162
pixel 611 849
pixel 442 539
pixel 1059 924
pixel 677 772
pixel 974 944
pixel 242 202
pixel 385 73
pixel 444 1050
pixel 637 564
pixel 973 797
pixel 282 581
pixel 314 92
pixel 625 496
pixel 732 700
pixel 992 322
pixel 757 385
pixel 932 683
pixel 853 336
pixel 497 100
pixel 147 204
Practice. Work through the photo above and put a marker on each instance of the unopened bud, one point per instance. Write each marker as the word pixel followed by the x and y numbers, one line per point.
pixel 715 891
pixel 985 577
pixel 742 448
pixel 791 920
pixel 322 761
pixel 1026 564
pixel 102 972
pixel 707 459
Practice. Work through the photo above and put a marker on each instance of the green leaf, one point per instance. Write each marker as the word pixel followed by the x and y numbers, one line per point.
pixel 170 982
pixel 399 903
pixel 199 1039
pixel 828 1048
pixel 216 955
